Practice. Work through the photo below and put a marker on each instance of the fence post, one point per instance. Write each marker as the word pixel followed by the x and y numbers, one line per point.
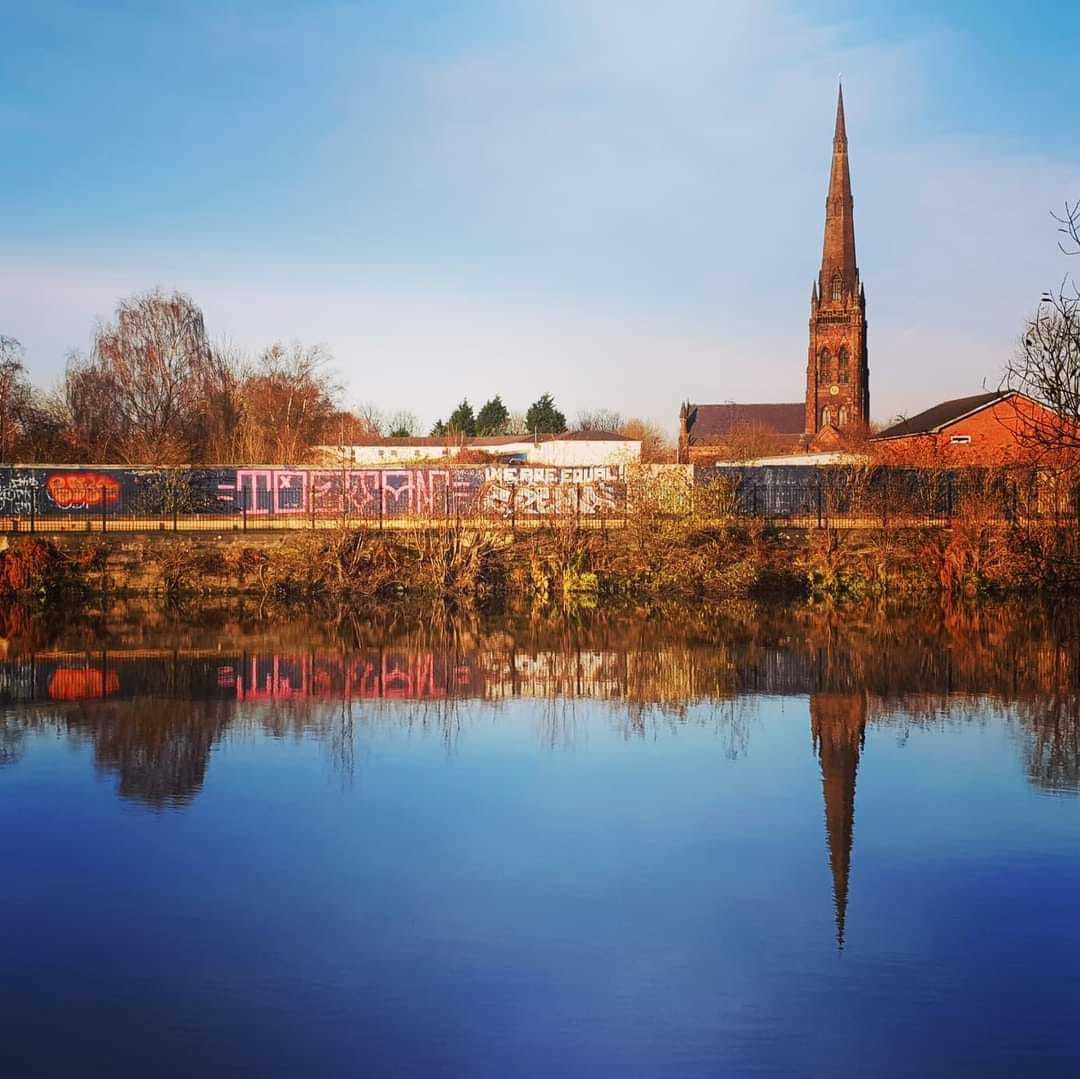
pixel 104 510
pixel 243 505
pixel 446 500
pixel 382 504
pixel 819 500
pixel 175 513
pixel 577 504
pixel 513 509
pixel 753 500
pixel 33 507
pixel 311 501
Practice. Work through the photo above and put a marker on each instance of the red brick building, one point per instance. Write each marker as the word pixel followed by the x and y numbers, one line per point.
pixel 1001 428
pixel 837 397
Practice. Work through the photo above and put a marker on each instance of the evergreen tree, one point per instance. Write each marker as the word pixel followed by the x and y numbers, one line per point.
pixel 543 418
pixel 492 418
pixel 438 429
pixel 462 421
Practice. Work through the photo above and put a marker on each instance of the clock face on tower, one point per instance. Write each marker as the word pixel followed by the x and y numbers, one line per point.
pixel 834 390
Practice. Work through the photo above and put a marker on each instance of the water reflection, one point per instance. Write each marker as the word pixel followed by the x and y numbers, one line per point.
pixel 153 716
pixel 838 727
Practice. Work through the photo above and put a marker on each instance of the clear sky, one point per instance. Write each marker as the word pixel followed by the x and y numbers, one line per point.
pixel 618 201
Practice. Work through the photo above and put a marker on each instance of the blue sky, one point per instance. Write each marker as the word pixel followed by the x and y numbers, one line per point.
pixel 619 202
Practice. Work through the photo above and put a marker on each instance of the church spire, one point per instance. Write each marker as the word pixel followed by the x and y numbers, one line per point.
pixel 837 363
pixel 840 135
pixel 838 252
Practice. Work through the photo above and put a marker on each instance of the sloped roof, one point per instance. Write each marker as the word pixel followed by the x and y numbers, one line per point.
pixel 933 419
pixel 482 441
pixel 590 436
pixel 713 423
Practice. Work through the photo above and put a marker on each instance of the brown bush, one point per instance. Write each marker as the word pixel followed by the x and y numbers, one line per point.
pixel 33 565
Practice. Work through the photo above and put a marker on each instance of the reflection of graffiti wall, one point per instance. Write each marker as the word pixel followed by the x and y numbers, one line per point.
pixel 82 683
pixel 368 674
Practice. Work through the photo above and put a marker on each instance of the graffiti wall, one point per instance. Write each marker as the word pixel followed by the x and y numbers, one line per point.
pixel 369 494
pixel 542 492
pixel 18 492
pixel 255 493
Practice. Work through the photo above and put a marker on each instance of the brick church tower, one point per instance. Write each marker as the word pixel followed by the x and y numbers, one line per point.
pixel 837 370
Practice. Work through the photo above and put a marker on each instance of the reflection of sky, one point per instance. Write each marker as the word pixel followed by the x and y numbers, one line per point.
pixel 500 904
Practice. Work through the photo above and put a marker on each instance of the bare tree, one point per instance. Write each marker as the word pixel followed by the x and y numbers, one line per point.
pixel 656 447
pixel 403 424
pixel 372 419
pixel 516 424
pixel 290 406
pixel 599 419
pixel 16 400
pixel 94 428
pixel 1046 366
pixel 141 394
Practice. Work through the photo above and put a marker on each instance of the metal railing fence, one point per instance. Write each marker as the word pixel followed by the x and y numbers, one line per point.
pixel 812 498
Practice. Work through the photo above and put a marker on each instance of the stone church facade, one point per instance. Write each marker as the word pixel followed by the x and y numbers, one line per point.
pixel 837 398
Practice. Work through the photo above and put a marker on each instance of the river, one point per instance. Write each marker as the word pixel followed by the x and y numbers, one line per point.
pixel 756 840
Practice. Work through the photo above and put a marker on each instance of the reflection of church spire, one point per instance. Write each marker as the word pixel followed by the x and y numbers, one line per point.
pixel 838 723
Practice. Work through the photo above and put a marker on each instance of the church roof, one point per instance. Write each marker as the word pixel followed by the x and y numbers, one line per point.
pixel 933 419
pixel 713 423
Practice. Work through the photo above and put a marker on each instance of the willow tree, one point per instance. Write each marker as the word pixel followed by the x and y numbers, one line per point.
pixel 144 393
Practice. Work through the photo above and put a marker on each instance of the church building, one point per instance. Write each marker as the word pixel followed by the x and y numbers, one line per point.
pixel 837 400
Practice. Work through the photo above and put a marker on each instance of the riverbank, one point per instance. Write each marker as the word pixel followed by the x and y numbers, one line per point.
pixel 654 557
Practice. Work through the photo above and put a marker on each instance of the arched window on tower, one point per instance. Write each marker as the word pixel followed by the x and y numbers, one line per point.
pixel 843 417
pixel 843 365
pixel 823 365
pixel 837 288
pixel 826 416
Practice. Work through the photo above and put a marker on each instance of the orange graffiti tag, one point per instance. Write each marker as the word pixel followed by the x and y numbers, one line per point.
pixel 81 683
pixel 70 489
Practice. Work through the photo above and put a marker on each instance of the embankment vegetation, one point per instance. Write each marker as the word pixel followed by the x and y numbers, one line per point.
pixel 667 546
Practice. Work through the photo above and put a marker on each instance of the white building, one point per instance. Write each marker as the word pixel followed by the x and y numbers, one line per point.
pixel 570 450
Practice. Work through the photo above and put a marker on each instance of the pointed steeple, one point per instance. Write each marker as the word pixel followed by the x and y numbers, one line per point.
pixel 838 253
pixel 840 135
pixel 837 361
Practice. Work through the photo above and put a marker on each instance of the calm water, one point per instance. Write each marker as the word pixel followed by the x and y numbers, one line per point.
pixel 757 842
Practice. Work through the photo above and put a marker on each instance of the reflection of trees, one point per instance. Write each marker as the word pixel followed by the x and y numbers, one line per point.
pixel 159 749
pixel 654 672
pixel 12 739
pixel 1052 749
